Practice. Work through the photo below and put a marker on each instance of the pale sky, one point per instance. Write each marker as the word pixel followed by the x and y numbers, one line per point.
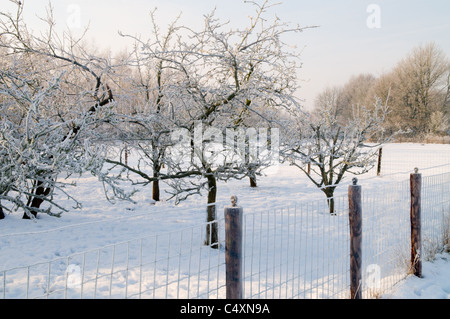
pixel 354 36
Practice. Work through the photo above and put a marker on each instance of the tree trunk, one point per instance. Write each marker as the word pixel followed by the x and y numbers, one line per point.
pixel 156 170
pixel 330 201
pixel 329 192
pixel 211 228
pixel 2 215
pixel 253 181
pixel 156 156
pixel 40 192
pixel 252 174
pixel 155 189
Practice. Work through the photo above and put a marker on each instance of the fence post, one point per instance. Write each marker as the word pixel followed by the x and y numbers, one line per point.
pixel 355 218
pixel 233 249
pixel 416 187
pixel 380 155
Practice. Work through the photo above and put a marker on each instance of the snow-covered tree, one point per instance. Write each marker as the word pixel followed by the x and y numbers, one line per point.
pixel 39 149
pixel 52 99
pixel 332 150
pixel 419 87
pixel 208 82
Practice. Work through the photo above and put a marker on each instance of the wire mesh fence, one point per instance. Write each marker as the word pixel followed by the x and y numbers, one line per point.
pixel 435 214
pixel 289 252
pixel 431 159
pixel 386 237
pixel 168 265
pixel 297 252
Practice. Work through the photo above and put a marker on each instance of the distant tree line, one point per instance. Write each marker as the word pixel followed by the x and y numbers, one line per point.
pixel 417 91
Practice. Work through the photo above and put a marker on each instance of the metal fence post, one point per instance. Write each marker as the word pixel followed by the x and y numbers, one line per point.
pixel 233 249
pixel 355 218
pixel 416 187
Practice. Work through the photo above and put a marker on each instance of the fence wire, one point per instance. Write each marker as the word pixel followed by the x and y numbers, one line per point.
pixel 386 237
pixel 164 266
pixel 431 159
pixel 298 252
pixel 291 252
pixel 435 214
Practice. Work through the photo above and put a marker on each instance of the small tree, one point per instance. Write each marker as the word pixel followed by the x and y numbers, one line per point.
pixel 332 150
pixel 39 148
pixel 52 100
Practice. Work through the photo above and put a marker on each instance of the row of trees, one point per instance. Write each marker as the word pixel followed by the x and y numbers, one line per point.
pixel 58 98
pixel 418 88
pixel 196 106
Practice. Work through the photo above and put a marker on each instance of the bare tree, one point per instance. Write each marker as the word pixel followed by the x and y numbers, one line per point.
pixel 216 75
pixel 419 87
pixel 333 150
pixel 345 98
pixel 49 111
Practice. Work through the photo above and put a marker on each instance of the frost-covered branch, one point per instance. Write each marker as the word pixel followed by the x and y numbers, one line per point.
pixel 52 100
pixel 326 150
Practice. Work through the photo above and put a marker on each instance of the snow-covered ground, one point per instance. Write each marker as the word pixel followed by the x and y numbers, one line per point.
pixel 434 284
pixel 100 223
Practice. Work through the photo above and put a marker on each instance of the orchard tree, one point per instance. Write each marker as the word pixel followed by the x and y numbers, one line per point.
pixel 53 99
pixel 40 147
pixel 332 150
pixel 152 120
pixel 212 77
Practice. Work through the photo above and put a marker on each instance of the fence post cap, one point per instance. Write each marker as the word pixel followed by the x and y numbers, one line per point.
pixel 234 201
pixel 416 170
pixel 354 181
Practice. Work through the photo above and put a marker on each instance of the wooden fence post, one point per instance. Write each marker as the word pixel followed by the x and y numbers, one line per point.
pixel 355 218
pixel 416 187
pixel 233 249
pixel 380 155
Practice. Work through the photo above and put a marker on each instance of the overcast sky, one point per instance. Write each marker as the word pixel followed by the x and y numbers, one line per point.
pixel 354 36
